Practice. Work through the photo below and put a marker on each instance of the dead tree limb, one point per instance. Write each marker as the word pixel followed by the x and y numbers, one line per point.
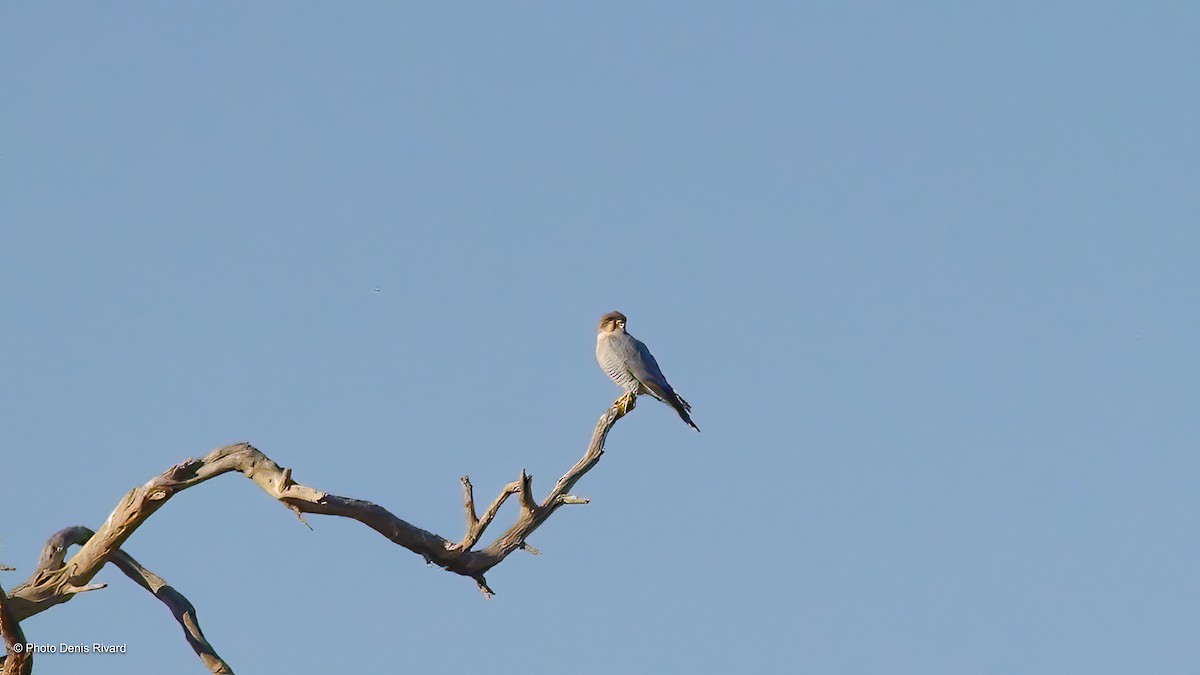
pixel 50 568
pixel 18 661
pixel 56 579
pixel 180 607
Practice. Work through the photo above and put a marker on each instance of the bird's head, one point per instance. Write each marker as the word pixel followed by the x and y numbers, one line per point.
pixel 613 322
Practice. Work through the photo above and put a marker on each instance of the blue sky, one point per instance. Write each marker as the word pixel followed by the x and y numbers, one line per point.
pixel 927 273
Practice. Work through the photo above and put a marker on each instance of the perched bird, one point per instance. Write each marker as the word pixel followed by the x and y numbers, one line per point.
pixel 632 367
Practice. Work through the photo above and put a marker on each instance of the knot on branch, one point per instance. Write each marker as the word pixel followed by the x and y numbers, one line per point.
pixel 184 471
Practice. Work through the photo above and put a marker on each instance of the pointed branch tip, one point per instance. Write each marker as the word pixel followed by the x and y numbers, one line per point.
pixel 526 493
pixel 300 515
pixel 483 587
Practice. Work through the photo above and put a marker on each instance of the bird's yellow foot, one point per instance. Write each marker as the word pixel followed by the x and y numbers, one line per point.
pixel 627 402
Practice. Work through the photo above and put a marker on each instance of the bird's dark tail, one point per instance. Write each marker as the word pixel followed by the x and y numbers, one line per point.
pixel 667 395
pixel 683 408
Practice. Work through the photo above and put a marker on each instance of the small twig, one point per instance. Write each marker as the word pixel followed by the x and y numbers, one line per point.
pixel 469 505
pixel 300 516
pixel 527 501
pixel 70 588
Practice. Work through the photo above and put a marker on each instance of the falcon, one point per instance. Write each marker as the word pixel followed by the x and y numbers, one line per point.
pixel 632 367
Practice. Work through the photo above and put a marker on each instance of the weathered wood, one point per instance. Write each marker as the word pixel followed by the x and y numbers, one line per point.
pixel 180 607
pixel 56 579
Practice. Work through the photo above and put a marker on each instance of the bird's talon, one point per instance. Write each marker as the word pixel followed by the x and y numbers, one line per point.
pixel 626 402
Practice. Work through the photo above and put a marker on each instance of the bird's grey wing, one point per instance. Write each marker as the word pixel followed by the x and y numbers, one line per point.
pixel 646 370
pixel 643 367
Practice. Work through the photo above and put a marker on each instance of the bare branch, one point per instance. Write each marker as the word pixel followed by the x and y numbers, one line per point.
pixel 476 526
pixel 183 610
pixel 56 581
pixel 531 520
pixel 55 550
pixel 19 661
pixel 52 577
pixel 483 587
pixel 51 582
